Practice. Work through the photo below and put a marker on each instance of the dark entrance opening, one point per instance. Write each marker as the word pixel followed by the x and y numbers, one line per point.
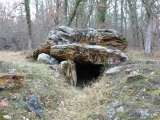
pixel 87 74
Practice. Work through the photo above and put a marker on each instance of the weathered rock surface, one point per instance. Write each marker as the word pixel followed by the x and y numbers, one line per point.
pixel 65 35
pixel 46 59
pixel 134 76
pixel 35 106
pixel 87 54
pixel 11 80
pixel 103 37
pixel 68 69
pixel 114 70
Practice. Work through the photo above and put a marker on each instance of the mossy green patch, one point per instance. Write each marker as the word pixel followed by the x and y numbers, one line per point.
pixel 154 92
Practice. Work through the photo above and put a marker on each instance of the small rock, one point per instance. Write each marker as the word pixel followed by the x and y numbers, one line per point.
pixel 7 117
pixel 144 115
pixel 152 73
pixel 120 109
pixel 133 78
pixel 133 112
pixel 111 112
pixel 151 62
pixel 4 103
pixel 47 59
pixel 57 74
pixel 133 73
pixel 117 104
pixel 114 70
pixel 13 97
pixel 12 70
pixel 128 71
pixel 35 106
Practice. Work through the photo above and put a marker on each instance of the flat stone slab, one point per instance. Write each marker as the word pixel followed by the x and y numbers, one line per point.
pixel 11 80
pixel 87 54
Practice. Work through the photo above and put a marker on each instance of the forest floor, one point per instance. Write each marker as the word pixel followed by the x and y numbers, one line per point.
pixel 110 98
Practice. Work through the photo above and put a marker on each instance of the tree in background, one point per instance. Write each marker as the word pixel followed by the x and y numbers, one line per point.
pixel 101 11
pixel 137 20
pixel 28 18
pixel 149 6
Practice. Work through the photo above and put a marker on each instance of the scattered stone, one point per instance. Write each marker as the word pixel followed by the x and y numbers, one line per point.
pixel 13 97
pixel 35 106
pixel 7 117
pixel 25 118
pixel 134 76
pixel 57 74
pixel 47 59
pixel 152 73
pixel 134 73
pixel 4 103
pixel 11 80
pixel 12 70
pixel 144 115
pixel 68 70
pixel 128 71
pixel 151 62
pixel 111 112
pixel 114 70
pixel 133 112
pixel 117 104
pixel 120 109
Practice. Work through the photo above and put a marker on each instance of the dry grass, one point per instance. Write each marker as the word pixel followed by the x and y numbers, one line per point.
pixel 136 55
pixel 64 102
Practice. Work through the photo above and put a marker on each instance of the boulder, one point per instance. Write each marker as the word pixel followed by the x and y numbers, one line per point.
pixel 47 59
pixel 11 80
pixel 64 35
pixel 68 69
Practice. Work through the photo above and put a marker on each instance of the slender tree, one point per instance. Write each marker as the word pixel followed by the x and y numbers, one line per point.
pixel 149 6
pixel 134 21
pixel 71 17
pixel 65 10
pixel 101 11
pixel 28 18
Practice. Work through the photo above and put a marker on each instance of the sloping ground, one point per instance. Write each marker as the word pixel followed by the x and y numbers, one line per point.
pixel 110 98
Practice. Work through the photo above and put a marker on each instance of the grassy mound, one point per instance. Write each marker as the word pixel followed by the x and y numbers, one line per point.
pixel 64 102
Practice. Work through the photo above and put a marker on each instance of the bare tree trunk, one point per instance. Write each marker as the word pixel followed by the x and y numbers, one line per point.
pixel 65 11
pixel 37 10
pixel 122 15
pixel 90 12
pixel 149 6
pixel 125 19
pixel 71 17
pixel 56 20
pixel 149 36
pixel 101 11
pixel 28 18
pixel 134 21
pixel 115 15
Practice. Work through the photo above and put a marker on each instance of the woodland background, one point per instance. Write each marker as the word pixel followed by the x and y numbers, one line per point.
pixel 24 24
